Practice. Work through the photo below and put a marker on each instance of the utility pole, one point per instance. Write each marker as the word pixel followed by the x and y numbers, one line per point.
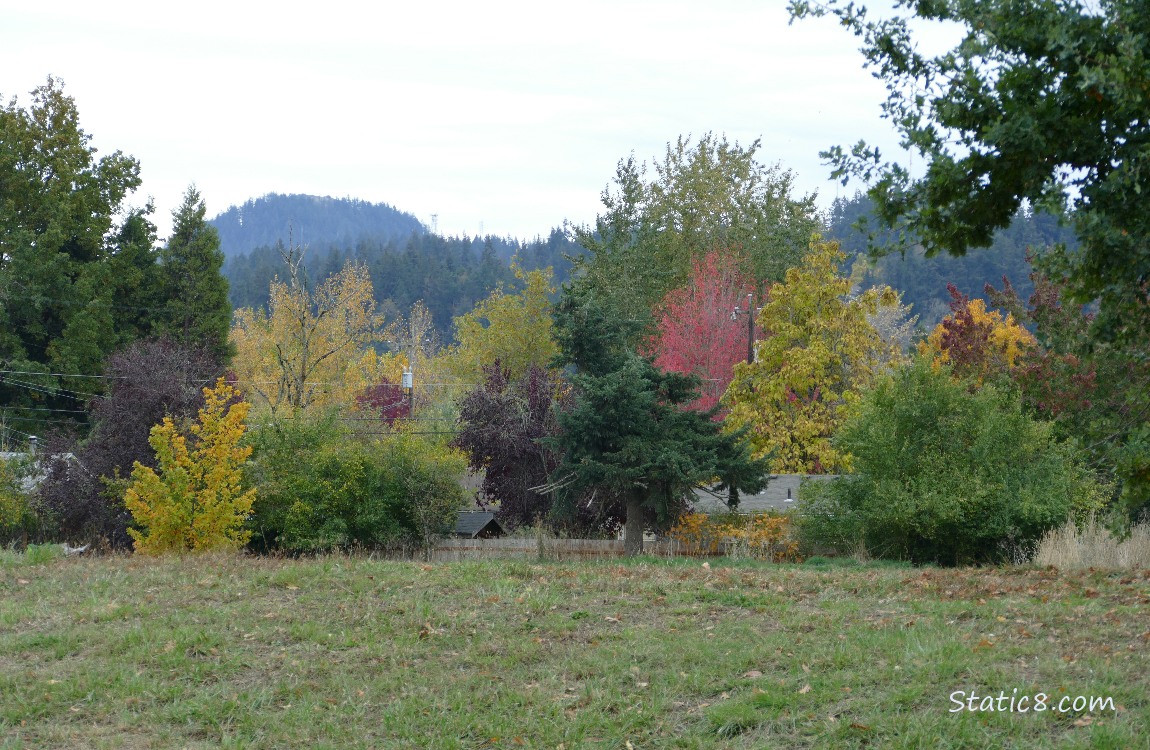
pixel 409 386
pixel 751 312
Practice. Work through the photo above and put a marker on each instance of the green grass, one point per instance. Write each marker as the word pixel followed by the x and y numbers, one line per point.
pixel 343 653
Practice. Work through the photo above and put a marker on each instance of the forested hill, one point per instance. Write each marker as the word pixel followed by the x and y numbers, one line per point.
pixel 310 219
pixel 449 274
pixel 923 280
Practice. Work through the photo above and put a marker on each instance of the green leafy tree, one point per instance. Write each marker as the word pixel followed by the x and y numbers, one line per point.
pixel 1043 102
pixel 1097 394
pixel 629 436
pixel 513 329
pixel 196 310
pixel 819 352
pixel 323 488
pixel 703 196
pixel 62 309
pixel 945 475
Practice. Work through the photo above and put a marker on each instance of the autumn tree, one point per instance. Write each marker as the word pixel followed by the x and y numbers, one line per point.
pixel 697 331
pixel 1043 103
pixel 508 429
pixel 977 343
pixel 309 347
pixel 818 353
pixel 513 329
pixel 702 196
pixel 147 381
pixel 195 500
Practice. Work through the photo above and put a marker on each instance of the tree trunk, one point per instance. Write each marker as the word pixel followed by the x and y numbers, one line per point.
pixel 633 526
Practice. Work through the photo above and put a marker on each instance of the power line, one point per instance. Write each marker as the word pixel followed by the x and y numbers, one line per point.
pixel 61 374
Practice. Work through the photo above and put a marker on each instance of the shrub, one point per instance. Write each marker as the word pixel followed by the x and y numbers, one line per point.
pixel 945 475
pixel 17 519
pixel 763 536
pixel 195 501
pixel 82 497
pixel 321 488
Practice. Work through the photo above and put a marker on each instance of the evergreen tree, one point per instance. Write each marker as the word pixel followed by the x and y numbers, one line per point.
pixel 59 311
pixel 196 310
pixel 629 436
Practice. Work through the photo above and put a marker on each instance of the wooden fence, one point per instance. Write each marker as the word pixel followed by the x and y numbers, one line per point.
pixel 547 549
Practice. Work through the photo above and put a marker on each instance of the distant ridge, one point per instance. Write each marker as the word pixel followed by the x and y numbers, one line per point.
pixel 311 219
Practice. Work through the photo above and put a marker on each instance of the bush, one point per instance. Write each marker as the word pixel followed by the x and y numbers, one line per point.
pixel 945 475
pixel 195 500
pixel 17 519
pixel 321 488
pixel 763 536
pixel 82 497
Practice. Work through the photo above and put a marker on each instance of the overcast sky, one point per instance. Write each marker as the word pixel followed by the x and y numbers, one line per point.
pixel 507 116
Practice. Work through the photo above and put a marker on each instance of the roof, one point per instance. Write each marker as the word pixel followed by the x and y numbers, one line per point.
pixel 473 523
pixel 780 494
pixel 34 472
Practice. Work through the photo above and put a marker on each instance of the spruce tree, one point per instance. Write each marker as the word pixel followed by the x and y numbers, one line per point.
pixel 196 311
pixel 629 436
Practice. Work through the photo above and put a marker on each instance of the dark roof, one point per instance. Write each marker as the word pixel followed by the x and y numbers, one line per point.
pixel 472 523
pixel 780 494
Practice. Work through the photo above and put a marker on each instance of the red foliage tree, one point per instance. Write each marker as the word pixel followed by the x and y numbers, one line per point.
pixel 387 399
pixel 697 333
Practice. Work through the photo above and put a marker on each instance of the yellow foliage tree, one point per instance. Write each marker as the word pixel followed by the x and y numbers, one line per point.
pixel 819 351
pixel 977 343
pixel 514 329
pixel 312 347
pixel 195 501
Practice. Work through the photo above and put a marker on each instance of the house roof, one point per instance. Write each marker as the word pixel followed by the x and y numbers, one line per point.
pixel 471 523
pixel 781 493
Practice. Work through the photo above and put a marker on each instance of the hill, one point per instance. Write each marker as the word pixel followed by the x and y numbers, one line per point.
pixel 309 219
pixel 923 280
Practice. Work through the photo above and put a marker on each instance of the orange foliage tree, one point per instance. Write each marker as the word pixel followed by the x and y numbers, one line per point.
pixel 976 342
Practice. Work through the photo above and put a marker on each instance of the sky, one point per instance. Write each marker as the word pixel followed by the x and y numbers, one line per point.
pixel 504 117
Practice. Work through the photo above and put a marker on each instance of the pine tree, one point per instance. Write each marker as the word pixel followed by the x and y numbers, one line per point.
pixel 629 436
pixel 196 311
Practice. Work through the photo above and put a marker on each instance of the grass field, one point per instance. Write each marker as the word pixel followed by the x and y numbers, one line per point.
pixel 241 652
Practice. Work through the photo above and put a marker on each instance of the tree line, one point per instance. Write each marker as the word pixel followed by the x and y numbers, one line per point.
pixel 582 406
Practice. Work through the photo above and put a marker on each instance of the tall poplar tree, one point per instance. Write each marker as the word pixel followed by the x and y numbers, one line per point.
pixel 702 196
pixel 196 310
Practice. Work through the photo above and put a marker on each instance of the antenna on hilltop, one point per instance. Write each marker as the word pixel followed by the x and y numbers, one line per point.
pixel 435 223
pixel 481 229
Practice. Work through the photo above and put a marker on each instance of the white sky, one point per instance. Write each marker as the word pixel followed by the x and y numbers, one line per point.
pixel 505 115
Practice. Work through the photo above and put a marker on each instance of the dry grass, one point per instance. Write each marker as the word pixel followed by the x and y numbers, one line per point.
pixel 1093 546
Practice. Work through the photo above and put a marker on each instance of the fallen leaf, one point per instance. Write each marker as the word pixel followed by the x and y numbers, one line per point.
pixel 1085 721
pixel 292 587
pixel 753 674
pixel 805 689
pixel 806 669
pixel 856 725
